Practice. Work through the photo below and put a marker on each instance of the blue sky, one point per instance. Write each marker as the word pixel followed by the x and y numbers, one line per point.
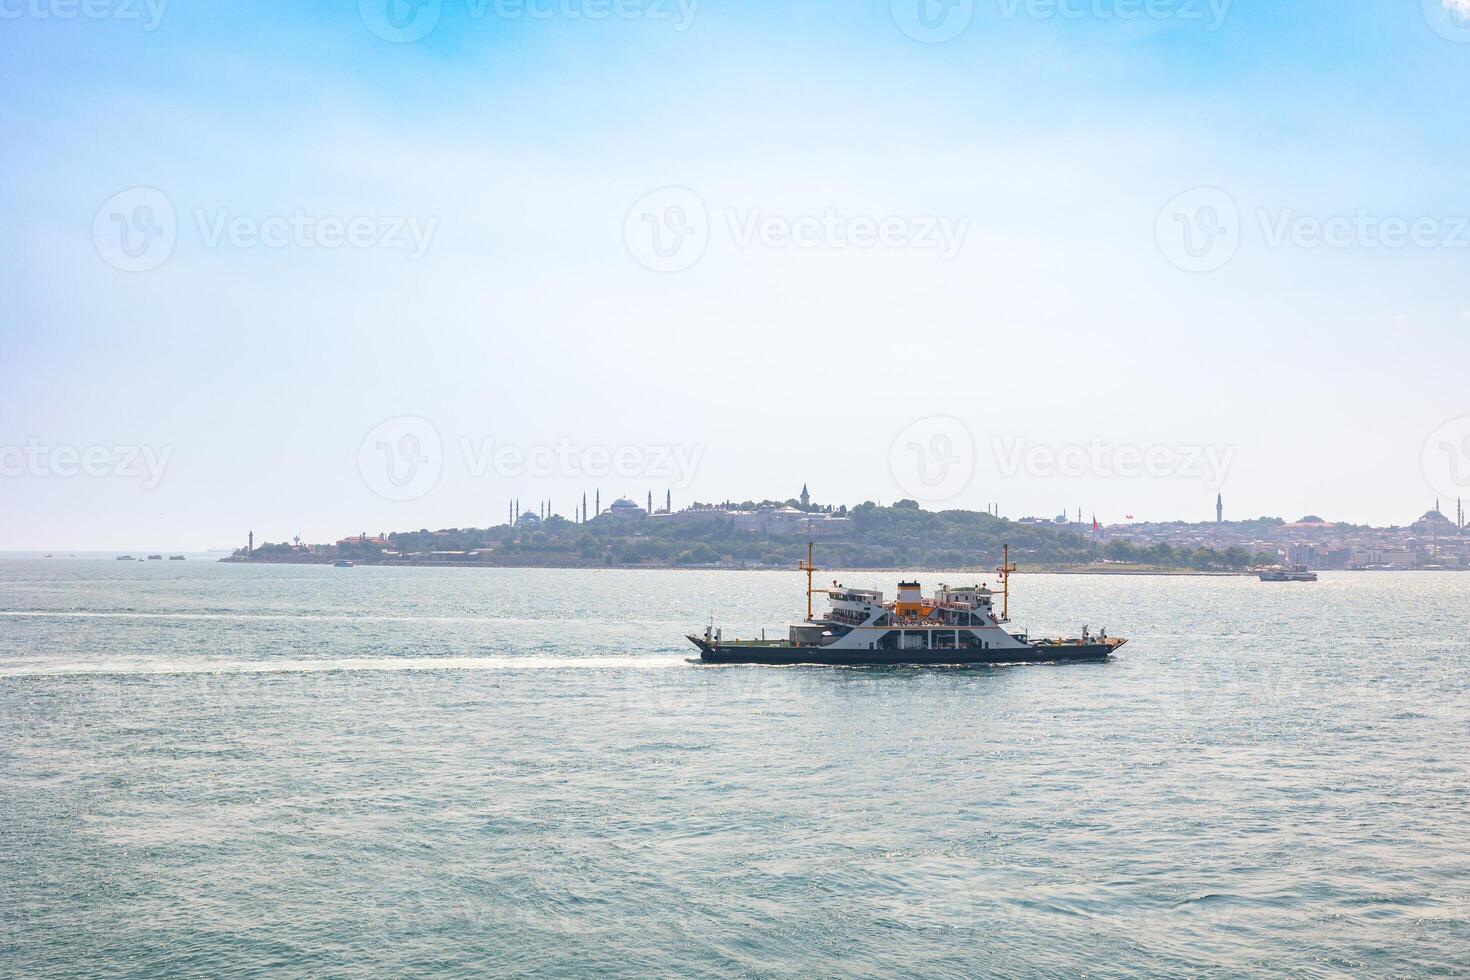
pixel 522 148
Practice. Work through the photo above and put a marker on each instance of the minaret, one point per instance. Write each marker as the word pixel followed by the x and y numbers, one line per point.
pixel 668 501
pixel 1220 508
pixel 598 513
pixel 250 548
pixel 584 507
pixel 650 503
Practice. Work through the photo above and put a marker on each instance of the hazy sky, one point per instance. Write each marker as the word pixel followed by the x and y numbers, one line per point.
pixel 319 268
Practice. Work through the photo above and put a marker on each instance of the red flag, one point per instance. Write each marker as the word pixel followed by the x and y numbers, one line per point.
pixel 1096 527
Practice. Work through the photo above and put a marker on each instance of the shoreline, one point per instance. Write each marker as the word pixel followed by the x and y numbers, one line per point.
pixel 1120 570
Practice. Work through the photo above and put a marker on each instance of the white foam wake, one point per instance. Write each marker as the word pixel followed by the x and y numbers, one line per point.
pixel 129 666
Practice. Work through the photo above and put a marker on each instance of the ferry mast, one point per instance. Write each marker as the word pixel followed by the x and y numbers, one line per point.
pixel 1006 568
pixel 808 567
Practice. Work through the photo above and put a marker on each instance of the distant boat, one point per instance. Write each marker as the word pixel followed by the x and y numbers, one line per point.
pixel 1296 573
pixel 126 558
pixel 342 563
pixel 48 556
pixel 175 557
pixel 155 558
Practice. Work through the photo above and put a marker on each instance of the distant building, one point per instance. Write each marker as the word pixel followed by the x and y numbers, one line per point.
pixel 362 539
pixel 623 507
pixel 1385 558
pixel 1434 521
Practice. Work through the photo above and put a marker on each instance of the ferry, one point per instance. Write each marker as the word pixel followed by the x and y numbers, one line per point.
pixel 1296 573
pixel 342 563
pixel 956 626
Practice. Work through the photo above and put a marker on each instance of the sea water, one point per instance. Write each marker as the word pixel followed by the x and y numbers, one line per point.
pixel 250 770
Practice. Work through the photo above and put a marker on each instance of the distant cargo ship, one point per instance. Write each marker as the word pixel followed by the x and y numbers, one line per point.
pixel 126 558
pixel 341 563
pixel 954 627
pixel 175 557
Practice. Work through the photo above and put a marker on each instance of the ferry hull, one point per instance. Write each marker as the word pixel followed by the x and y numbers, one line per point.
pixel 783 655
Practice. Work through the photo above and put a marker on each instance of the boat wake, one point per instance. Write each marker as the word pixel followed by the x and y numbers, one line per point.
pixel 159 667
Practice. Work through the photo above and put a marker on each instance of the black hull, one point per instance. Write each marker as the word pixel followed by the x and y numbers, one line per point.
pixel 786 656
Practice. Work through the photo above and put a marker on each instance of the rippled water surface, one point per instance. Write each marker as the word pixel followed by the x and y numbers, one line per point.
pixel 249 770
